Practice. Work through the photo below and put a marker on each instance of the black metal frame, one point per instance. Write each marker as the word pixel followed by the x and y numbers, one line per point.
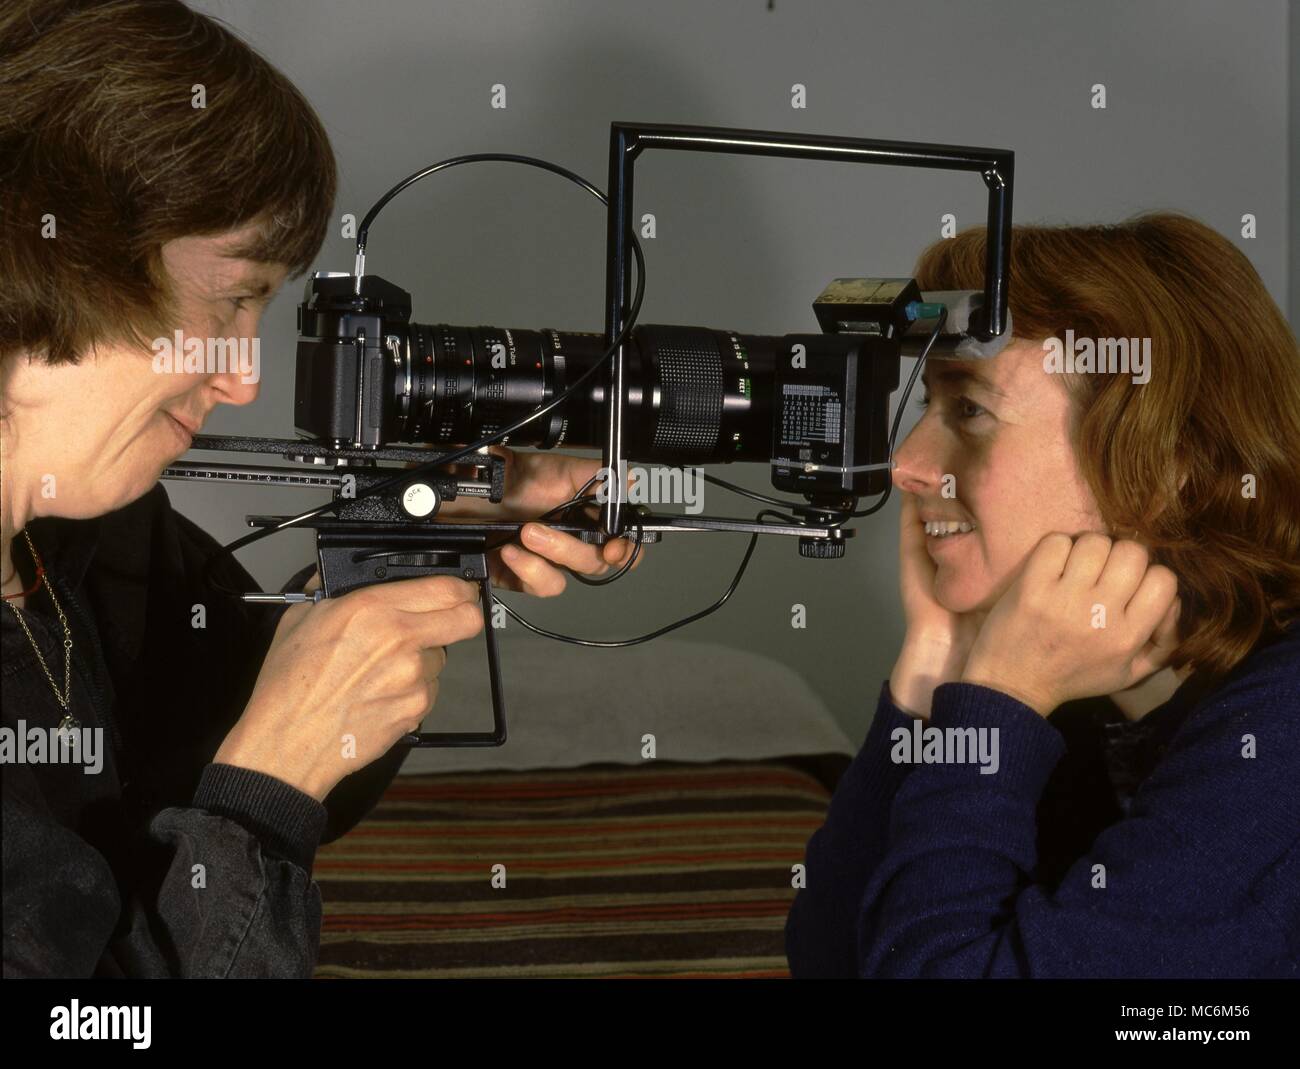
pixel 628 140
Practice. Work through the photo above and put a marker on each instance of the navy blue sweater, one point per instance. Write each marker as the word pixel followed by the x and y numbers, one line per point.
pixel 1169 849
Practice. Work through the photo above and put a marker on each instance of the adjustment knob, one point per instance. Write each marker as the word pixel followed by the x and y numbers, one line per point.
pixel 821 548
pixel 419 500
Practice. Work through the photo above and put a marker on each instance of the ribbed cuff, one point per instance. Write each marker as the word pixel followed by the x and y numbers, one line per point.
pixel 288 822
pixel 1028 747
pixel 877 747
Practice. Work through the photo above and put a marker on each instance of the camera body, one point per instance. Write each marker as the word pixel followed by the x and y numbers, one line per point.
pixel 346 340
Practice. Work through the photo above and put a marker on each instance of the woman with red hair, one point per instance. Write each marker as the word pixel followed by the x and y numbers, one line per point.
pixel 1101 578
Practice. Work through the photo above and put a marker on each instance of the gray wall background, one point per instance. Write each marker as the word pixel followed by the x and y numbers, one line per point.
pixel 1197 120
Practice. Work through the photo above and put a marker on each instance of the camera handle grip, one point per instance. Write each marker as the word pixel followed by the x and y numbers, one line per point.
pixel 497 736
pixel 348 562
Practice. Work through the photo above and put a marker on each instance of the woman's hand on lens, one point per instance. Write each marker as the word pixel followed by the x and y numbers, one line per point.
pixel 1085 617
pixel 346 678
pixel 937 641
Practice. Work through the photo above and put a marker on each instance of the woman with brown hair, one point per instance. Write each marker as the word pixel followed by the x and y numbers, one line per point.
pixel 170 772
pixel 1100 574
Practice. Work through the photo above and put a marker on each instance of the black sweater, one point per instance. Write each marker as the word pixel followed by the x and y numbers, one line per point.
pixel 160 863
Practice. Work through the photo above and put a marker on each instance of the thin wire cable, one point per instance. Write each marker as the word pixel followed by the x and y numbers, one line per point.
pixel 752 493
pixel 626 566
pixel 363 232
pixel 609 644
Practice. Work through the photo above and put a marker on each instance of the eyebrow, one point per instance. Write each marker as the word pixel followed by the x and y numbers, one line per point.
pixel 254 285
pixel 250 278
pixel 962 376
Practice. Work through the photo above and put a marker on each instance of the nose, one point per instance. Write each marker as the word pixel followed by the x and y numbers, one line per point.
pixel 919 461
pixel 231 389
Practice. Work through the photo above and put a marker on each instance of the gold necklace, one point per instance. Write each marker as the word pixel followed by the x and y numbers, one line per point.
pixel 68 722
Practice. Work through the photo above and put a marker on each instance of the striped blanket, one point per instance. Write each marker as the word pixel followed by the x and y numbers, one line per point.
pixel 662 870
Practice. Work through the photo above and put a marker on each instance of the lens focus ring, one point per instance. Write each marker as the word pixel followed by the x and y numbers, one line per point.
pixel 688 372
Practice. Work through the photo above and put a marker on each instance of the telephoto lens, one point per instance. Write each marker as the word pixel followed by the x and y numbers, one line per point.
pixel 367 375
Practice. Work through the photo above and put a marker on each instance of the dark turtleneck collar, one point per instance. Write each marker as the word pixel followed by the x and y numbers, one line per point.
pixel 66 548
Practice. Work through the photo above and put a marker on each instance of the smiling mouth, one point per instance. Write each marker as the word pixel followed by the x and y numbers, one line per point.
pixel 947 528
pixel 184 429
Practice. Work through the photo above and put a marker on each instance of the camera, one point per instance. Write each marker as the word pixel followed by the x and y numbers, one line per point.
pixel 814 407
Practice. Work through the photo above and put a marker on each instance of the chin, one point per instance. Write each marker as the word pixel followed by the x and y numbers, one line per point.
pixel 121 495
pixel 135 489
pixel 961 597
